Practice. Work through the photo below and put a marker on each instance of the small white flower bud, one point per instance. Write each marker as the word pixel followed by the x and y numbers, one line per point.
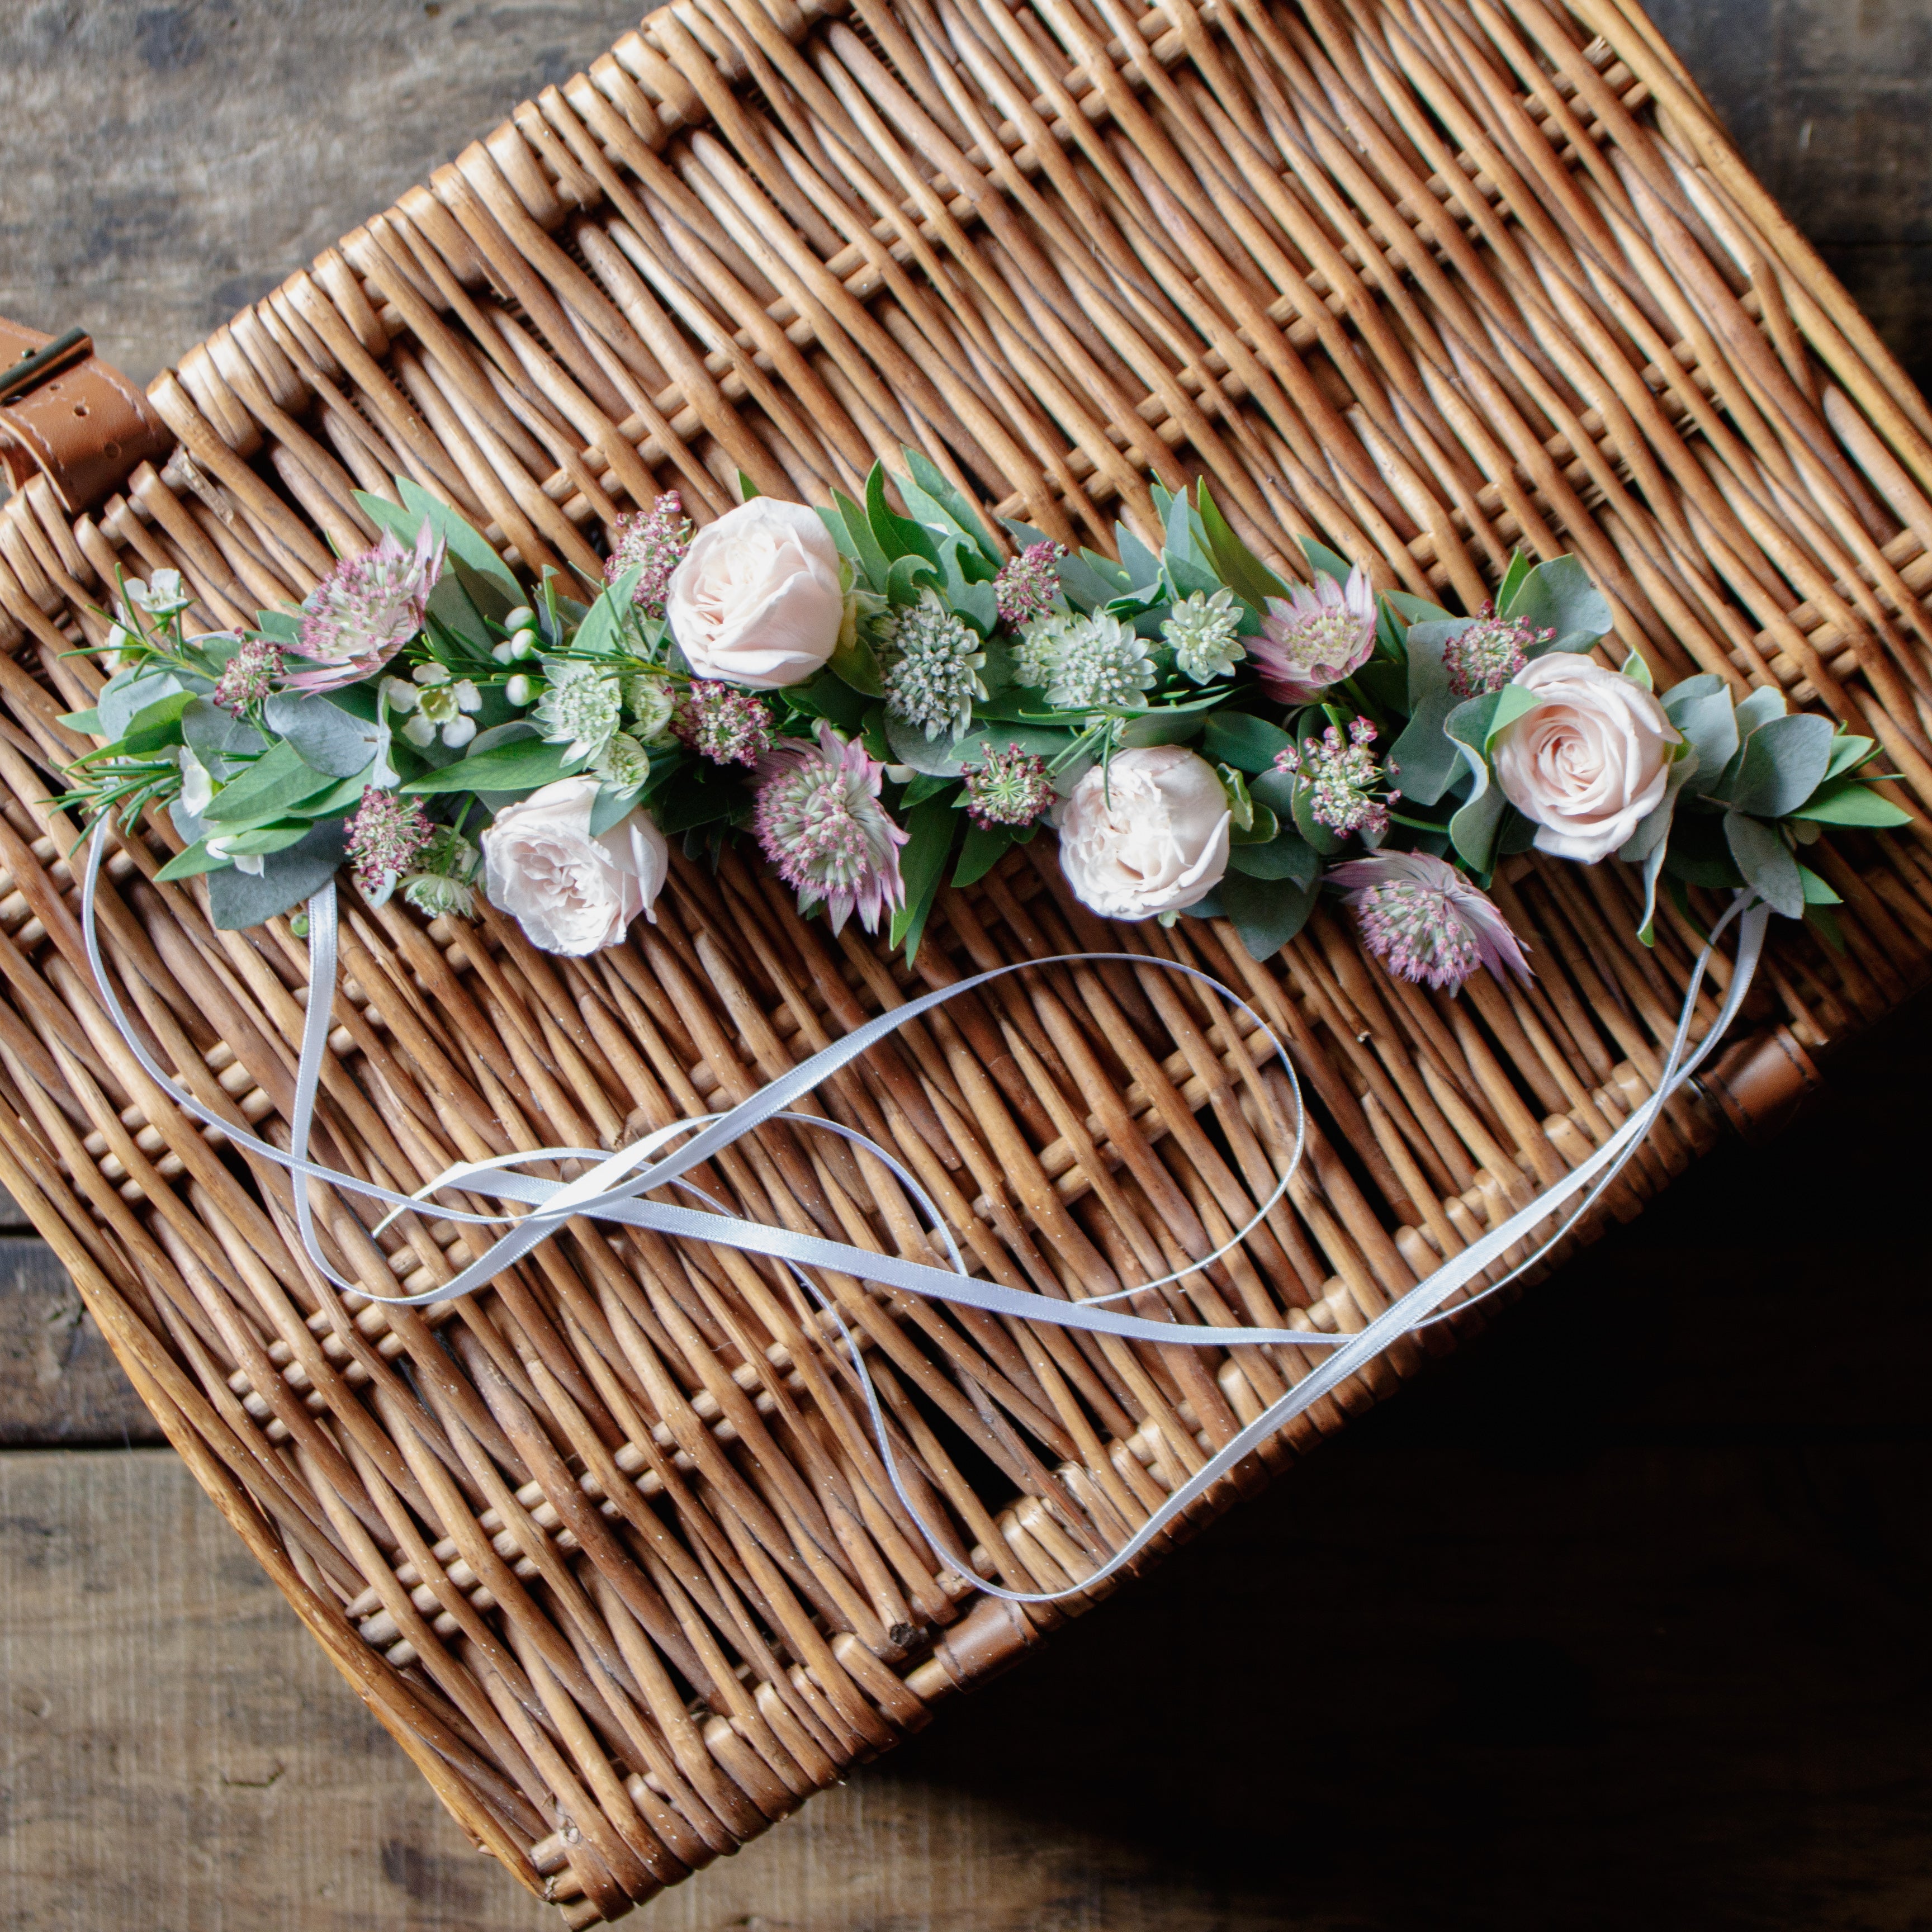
pixel 521 618
pixel 519 690
pixel 502 652
pixel 523 644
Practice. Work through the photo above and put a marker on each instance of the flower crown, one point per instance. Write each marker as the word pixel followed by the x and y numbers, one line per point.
pixel 883 699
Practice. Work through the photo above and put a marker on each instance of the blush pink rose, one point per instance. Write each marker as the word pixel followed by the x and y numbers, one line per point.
pixel 758 600
pixel 571 892
pixel 1590 762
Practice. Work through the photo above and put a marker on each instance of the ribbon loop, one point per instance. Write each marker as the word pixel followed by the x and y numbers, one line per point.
pixel 614 1185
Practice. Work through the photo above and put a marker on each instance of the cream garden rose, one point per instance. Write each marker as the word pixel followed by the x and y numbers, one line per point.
pixel 1590 762
pixel 758 600
pixel 571 892
pixel 1147 834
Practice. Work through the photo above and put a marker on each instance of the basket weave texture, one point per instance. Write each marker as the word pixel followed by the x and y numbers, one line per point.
pixel 609 1548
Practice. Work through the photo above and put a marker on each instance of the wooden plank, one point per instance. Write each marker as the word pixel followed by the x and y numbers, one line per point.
pixel 246 137
pixel 59 1382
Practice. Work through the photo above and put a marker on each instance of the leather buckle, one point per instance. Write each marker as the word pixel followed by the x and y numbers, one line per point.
pixel 68 415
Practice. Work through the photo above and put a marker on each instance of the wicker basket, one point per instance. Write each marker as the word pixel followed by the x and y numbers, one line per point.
pixel 608 1548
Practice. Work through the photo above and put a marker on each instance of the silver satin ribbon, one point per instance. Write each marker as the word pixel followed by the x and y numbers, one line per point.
pixel 612 1187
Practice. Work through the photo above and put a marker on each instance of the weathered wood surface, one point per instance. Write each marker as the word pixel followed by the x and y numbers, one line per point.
pixel 166 163
pixel 1596 1652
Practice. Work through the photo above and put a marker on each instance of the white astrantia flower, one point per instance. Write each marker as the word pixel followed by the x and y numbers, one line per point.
pixel 1099 661
pixel 623 763
pixel 1205 633
pixel 1038 646
pixel 932 662
pixel 582 706
pixel 435 702
pixel 651 698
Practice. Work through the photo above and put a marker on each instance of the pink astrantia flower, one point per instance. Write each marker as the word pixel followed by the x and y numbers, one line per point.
pixel 1316 638
pixel 722 723
pixel 366 610
pixel 249 677
pixel 1425 921
pixel 1485 657
pixel 384 837
pixel 820 822
pixel 657 542
pixel 1027 584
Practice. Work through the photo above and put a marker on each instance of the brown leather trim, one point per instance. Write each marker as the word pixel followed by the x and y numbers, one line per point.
pixel 86 428
pixel 1761 1082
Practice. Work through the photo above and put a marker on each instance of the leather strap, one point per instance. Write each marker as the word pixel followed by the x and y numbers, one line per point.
pixel 79 422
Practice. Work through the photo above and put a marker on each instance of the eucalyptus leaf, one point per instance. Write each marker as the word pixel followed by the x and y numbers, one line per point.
pixel 327 737
pixel 239 900
pixel 1287 856
pixel 1783 762
pixel 1766 862
pixel 516 767
pixel 1138 562
pixel 1425 756
pixel 215 736
pixel 1264 829
pixel 612 806
pixel 1090 581
pixel 1249 744
pixel 1267 913
pixel 1701 708
pixel 1759 707
pixel 130 692
pixel 1559 596
pixel 1276 790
